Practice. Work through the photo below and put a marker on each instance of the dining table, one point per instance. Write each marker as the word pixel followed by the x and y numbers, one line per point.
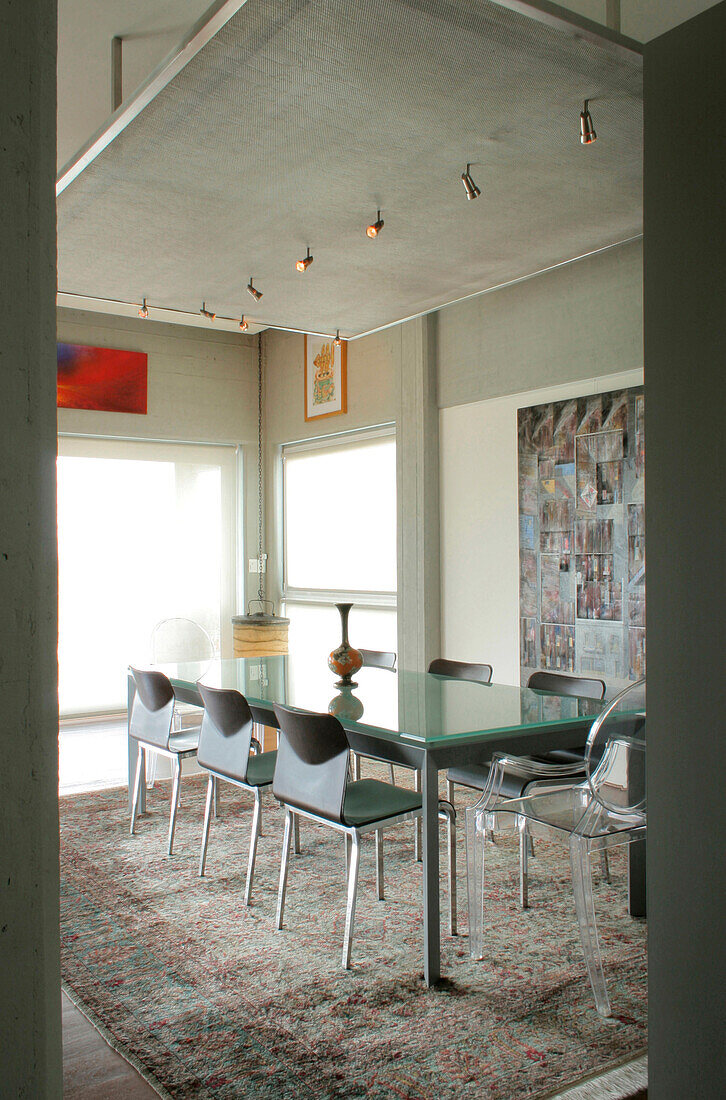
pixel 414 719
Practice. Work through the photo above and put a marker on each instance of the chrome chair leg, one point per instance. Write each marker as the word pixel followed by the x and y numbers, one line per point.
pixel 379 864
pixel 347 854
pixel 253 845
pixel 150 776
pixel 140 767
pixel 216 799
pixel 211 785
pixel 447 810
pixel 283 869
pixel 355 758
pixel 392 774
pixel 523 865
pixel 174 801
pixel 296 834
pixel 352 895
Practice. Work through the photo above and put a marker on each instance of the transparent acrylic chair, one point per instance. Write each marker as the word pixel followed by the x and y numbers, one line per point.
pixel 173 641
pixel 607 809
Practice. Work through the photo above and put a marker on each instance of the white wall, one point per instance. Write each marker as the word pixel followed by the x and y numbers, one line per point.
pixel 480 523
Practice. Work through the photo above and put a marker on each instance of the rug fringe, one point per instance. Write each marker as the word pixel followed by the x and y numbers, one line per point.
pixel 621 1081
pixel 114 1043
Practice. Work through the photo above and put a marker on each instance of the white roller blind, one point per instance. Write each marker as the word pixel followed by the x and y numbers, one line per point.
pixel 340 516
pixel 146 531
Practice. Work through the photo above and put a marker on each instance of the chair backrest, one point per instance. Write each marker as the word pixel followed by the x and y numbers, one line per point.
pixel 176 640
pixel 582 687
pixel 376 658
pixel 615 753
pixel 461 670
pixel 226 733
pixel 312 763
pixel 152 710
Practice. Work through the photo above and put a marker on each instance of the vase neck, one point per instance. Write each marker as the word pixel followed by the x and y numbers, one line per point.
pixel 344 609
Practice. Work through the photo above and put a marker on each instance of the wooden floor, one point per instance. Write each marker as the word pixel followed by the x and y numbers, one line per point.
pixel 91 1068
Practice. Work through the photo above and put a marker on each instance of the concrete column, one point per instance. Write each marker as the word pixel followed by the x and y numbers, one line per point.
pixel 419 593
pixel 685 353
pixel 30 1028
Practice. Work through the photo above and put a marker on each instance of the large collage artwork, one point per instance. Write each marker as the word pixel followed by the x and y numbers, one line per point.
pixel 582 537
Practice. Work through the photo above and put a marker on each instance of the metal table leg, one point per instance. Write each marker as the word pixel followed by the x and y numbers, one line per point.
pixel 431 915
pixel 636 878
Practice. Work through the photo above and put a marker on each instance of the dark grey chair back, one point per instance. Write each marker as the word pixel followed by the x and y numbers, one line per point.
pixel 226 733
pixel 376 658
pixel 312 763
pixel 562 683
pixel 461 670
pixel 152 711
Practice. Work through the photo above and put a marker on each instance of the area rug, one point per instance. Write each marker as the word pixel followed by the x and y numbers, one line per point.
pixel 212 1001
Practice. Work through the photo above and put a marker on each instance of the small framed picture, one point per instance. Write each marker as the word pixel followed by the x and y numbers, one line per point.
pixel 325 377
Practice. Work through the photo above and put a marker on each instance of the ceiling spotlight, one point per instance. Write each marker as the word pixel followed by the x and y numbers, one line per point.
pixel 469 186
pixel 303 265
pixel 256 294
pixel 144 310
pixel 337 341
pixel 587 130
pixel 243 323
pixel 207 312
pixel 374 229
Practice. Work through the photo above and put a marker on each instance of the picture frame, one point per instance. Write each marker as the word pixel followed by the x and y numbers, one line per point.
pixel 326 377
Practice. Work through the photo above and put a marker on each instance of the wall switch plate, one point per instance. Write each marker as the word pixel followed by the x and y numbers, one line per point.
pixel 258 565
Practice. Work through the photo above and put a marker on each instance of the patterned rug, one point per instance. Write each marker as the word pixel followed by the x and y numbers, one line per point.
pixel 213 1002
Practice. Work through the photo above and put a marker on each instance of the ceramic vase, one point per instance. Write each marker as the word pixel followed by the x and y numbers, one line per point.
pixel 345 661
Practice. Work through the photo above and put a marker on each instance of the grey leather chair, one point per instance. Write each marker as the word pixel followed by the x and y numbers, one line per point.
pixel 151 724
pixel 476 776
pixel 230 753
pixel 375 658
pixel 563 764
pixel 312 780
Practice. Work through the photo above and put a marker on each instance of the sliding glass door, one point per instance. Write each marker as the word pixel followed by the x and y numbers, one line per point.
pixel 146 532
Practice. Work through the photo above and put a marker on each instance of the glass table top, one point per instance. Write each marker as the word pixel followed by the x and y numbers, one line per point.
pixel 411 706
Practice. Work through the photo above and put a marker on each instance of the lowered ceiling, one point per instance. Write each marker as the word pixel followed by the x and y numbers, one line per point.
pixel 298 119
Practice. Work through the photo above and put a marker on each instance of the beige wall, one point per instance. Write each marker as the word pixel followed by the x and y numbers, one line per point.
pixel 578 321
pixel 202 385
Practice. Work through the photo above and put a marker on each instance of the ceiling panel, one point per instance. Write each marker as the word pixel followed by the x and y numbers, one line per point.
pixel 301 117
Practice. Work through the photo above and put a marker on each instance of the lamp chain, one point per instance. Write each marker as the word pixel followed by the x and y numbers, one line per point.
pixel 260 516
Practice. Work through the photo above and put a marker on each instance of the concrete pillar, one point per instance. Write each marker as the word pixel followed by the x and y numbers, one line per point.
pixel 685 353
pixel 30 1029
pixel 419 589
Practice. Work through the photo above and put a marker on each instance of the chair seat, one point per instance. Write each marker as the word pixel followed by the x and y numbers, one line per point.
pixel 564 810
pixel 369 800
pixel 186 741
pixel 562 756
pixel 261 768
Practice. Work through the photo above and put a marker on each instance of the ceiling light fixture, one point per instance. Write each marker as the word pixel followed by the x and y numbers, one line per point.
pixel 337 341
pixel 256 294
pixel 144 310
pixel 303 265
pixel 374 229
pixel 207 312
pixel 587 130
pixel 472 191
pixel 243 323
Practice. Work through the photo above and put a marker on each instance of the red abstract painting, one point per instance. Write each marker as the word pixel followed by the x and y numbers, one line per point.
pixel 105 379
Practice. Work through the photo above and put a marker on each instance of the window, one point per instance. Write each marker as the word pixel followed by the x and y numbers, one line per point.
pixel 146 531
pixel 339 531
